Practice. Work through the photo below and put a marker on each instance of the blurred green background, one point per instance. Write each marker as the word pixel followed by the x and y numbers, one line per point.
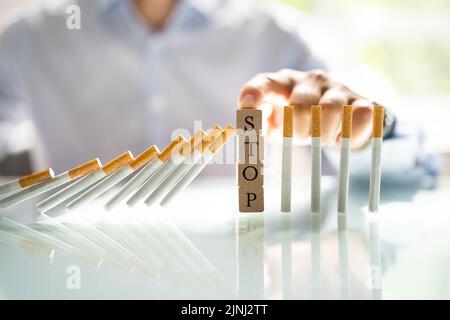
pixel 405 40
pixel 396 52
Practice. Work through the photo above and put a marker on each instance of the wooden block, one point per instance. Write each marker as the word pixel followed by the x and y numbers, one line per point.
pixel 248 120
pixel 250 175
pixel 251 199
pixel 251 149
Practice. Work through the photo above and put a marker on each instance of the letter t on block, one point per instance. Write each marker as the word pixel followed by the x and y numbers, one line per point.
pixel 250 180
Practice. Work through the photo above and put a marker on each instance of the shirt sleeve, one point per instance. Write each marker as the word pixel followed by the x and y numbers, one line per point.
pixel 12 112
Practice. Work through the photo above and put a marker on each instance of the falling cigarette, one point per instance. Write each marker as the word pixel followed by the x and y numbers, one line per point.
pixel 114 178
pixel 192 173
pixel 346 134
pixel 146 172
pixel 85 182
pixel 27 181
pixel 170 163
pixel 165 186
pixel 48 185
pixel 286 170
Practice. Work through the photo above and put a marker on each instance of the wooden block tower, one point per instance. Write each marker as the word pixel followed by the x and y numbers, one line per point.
pixel 250 160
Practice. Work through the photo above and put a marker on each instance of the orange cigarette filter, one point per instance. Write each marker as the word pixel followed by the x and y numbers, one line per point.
pixel 118 162
pixel 188 147
pixel 144 157
pixel 213 134
pixel 171 147
pixel 84 169
pixel 220 141
pixel 316 121
pixel 36 178
pixel 288 122
pixel 347 115
pixel 378 120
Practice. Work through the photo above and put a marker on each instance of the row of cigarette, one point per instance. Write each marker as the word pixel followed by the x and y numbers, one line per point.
pixel 161 175
pixel 316 153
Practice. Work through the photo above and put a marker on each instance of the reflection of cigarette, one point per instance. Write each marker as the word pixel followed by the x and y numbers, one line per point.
pixel 170 163
pixel 34 236
pixel 113 179
pixel 85 182
pixel 57 181
pixel 27 181
pixel 196 155
pixel 286 170
pixel 145 173
pixel 375 170
pixel 194 171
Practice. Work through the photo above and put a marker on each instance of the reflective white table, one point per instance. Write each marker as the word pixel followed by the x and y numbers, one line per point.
pixel 202 248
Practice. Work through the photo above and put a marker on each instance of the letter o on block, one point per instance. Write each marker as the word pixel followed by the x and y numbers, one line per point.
pixel 250 175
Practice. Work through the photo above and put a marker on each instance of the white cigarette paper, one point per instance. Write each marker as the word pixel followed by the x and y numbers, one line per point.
pixel 183 167
pixel 286 170
pixel 145 173
pixel 343 186
pixel 83 183
pixel 195 170
pixel 56 182
pixel 170 162
pixel 27 181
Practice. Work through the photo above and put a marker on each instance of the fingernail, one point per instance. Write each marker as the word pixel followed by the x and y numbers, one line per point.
pixel 248 101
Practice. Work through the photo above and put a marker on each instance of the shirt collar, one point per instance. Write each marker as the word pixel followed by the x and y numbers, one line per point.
pixel 190 8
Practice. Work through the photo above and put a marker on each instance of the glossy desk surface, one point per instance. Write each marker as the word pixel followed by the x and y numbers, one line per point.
pixel 201 247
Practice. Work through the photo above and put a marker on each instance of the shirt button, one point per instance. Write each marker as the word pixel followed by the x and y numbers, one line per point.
pixel 158 104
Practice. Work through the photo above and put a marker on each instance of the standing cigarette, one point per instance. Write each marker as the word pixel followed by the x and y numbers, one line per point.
pixel 316 157
pixel 195 155
pixel 113 179
pixel 346 133
pixel 375 171
pixel 27 181
pixel 57 181
pixel 194 171
pixel 374 201
pixel 286 170
pixel 170 162
pixel 85 182
pixel 146 172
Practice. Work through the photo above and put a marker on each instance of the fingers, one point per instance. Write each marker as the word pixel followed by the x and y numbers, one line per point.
pixel 303 90
pixel 303 96
pixel 332 102
pixel 362 122
pixel 254 91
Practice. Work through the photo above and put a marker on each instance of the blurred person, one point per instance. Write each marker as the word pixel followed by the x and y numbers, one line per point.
pixel 137 69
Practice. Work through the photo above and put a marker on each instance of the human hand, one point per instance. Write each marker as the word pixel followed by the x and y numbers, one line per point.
pixel 302 90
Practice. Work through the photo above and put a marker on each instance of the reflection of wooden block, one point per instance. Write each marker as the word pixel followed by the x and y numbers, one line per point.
pixel 248 120
pixel 251 199
pixel 250 175
pixel 251 149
